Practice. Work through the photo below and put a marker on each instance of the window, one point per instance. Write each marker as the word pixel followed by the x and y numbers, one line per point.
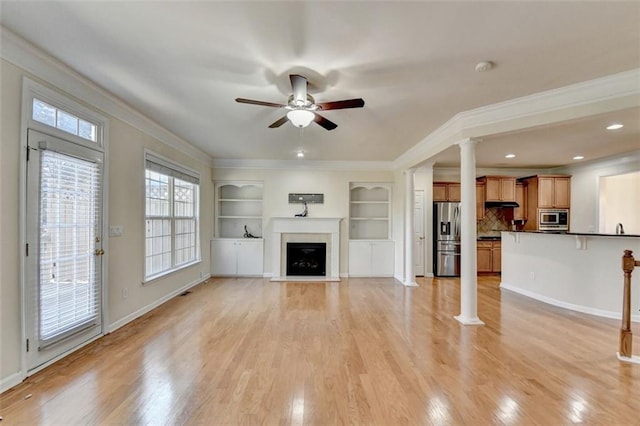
pixel 171 217
pixel 63 120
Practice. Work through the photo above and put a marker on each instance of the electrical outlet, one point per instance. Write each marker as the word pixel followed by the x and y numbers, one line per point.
pixel 116 231
pixel 125 293
pixel 532 275
pixel 201 274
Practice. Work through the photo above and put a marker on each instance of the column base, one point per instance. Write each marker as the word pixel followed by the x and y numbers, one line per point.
pixel 632 359
pixel 469 321
pixel 410 284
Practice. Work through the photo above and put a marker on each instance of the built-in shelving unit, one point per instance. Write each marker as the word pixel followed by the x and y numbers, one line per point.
pixel 238 204
pixel 369 211
pixel 370 246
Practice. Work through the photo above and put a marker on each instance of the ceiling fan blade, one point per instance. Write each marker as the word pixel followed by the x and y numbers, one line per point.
pixel 299 87
pixel 327 124
pixel 348 103
pixel 261 103
pixel 279 122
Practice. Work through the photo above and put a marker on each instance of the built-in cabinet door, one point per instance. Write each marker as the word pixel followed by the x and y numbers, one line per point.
pixel 485 263
pixel 382 259
pixel 250 257
pixel 496 256
pixel 439 192
pixel 223 257
pixel 453 190
pixel 546 192
pixel 508 189
pixel 371 258
pixel 561 193
pixel 493 189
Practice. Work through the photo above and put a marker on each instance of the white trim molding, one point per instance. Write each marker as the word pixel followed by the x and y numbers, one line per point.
pixel 10 381
pixel 151 306
pixel 38 63
pixel 229 163
pixel 611 93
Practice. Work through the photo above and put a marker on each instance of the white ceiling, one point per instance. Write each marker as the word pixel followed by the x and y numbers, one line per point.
pixel 183 63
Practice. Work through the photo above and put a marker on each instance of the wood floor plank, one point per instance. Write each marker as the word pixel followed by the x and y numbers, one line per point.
pixel 361 351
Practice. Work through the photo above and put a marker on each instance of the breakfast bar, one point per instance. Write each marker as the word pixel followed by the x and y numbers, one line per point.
pixel 577 271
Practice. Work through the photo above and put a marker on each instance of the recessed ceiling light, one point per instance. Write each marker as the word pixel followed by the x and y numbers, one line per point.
pixel 615 126
pixel 510 156
pixel 578 157
pixel 300 154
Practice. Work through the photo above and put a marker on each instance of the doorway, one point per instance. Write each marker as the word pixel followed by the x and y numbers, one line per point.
pixel 63 253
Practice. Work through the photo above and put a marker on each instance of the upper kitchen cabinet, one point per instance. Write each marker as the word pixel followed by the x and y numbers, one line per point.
pixel 549 191
pixel 446 191
pixel 520 212
pixel 553 192
pixel 499 188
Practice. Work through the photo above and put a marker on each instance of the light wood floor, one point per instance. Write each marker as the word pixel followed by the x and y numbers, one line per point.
pixel 362 351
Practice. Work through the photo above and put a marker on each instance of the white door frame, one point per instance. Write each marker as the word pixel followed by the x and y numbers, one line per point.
pixel 31 89
pixel 419 267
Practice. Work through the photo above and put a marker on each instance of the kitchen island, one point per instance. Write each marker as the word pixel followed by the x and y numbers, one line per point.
pixel 577 271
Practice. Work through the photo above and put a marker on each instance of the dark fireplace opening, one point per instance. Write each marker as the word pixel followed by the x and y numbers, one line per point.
pixel 307 259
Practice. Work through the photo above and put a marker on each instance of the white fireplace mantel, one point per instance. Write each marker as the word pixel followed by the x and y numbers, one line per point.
pixel 307 225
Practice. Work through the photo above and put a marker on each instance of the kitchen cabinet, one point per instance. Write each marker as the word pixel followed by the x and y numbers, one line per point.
pixel 371 258
pixel 489 254
pixel 480 189
pixel 446 191
pixel 520 213
pixel 500 188
pixel 553 192
pixel 237 257
pixel 545 192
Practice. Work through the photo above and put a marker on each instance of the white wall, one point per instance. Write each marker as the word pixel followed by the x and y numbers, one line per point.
pixel 585 181
pixel 126 207
pixel 334 184
pixel 619 202
pixel 552 268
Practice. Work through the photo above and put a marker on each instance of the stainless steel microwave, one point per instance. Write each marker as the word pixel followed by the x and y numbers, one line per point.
pixel 553 219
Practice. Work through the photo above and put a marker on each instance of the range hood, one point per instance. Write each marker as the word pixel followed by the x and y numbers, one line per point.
pixel 489 204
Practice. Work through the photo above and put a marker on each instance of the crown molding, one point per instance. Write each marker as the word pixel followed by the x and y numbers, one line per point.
pixel 43 66
pixel 620 163
pixel 224 163
pixel 611 93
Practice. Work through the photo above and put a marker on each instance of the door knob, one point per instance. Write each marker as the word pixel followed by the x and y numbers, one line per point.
pixel 99 252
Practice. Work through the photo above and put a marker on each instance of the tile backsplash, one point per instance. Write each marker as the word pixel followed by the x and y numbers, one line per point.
pixel 495 219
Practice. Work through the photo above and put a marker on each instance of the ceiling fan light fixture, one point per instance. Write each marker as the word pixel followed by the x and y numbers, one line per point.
pixel 300 117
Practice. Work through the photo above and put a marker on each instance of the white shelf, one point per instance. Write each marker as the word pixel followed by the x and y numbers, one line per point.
pixel 238 204
pixel 370 211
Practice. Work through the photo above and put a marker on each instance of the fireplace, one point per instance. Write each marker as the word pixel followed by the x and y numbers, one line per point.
pixel 307 259
pixel 314 230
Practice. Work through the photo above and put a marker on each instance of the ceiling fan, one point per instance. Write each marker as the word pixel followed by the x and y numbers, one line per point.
pixel 302 108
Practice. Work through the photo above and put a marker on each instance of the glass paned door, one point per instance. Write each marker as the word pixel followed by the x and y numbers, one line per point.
pixel 64 258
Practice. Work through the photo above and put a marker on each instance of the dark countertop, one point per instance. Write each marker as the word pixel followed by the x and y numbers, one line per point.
pixel 581 234
pixel 489 238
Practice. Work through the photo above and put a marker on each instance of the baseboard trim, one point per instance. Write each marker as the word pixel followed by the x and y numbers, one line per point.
pixel 137 314
pixel 11 381
pixel 565 305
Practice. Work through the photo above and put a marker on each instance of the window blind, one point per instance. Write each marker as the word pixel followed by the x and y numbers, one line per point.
pixel 69 287
pixel 159 165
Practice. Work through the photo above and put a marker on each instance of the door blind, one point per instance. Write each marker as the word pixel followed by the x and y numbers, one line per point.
pixel 69 290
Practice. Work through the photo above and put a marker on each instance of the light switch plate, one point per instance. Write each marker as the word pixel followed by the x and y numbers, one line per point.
pixel 115 231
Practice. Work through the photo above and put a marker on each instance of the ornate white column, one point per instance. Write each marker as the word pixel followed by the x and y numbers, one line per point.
pixel 468 262
pixel 409 275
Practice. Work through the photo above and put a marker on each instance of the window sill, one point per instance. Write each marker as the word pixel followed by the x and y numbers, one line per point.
pixel 164 274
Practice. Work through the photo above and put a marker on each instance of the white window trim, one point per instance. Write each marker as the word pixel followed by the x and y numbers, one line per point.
pixel 32 90
pixel 161 159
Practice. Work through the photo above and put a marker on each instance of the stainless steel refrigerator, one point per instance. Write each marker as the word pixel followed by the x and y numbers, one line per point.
pixel 446 232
